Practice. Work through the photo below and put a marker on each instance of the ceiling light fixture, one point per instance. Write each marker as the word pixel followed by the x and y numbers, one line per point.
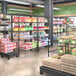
pixel 13 9
pixel 42 6
pixel 18 2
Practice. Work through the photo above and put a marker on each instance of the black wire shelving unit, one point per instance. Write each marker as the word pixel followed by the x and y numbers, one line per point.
pixel 11 31
pixel 56 34
pixel 5 31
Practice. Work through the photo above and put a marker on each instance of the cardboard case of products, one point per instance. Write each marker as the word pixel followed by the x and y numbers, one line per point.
pixel 52 63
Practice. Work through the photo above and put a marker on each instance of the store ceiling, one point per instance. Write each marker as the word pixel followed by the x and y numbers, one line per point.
pixel 27 3
pixel 41 1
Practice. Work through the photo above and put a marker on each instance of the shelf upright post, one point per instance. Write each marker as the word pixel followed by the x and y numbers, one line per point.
pixel 60 28
pixel 31 30
pixel 18 52
pixel 4 6
pixel 49 13
pixel 73 23
pixel 12 27
pixel 37 34
pixel 57 27
pixel 67 32
pixel 4 11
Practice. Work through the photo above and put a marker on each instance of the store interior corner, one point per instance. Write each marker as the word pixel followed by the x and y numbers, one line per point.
pixel 37 38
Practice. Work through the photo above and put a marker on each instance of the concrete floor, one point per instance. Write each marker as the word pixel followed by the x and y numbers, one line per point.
pixel 26 65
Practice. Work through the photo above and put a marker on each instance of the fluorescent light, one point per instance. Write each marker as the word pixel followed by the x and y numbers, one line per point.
pixel 56 8
pixel 13 9
pixel 18 2
pixel 42 6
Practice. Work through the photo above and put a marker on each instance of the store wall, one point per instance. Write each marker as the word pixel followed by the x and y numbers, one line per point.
pixel 39 11
pixel 66 10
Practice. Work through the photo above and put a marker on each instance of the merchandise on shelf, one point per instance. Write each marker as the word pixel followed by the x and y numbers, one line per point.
pixel 26 46
pixel 34 44
pixel 2 28
pixel 44 41
pixel 40 34
pixel 1 15
pixel 63 21
pixel 6 45
pixel 69 42
pixel 73 40
pixel 73 51
pixel 64 39
pixel 25 35
pixel 27 26
pixel 15 28
pixel 26 23
pixel 61 50
pixel 22 28
pixel 24 19
pixel 1 35
pixel 15 35
pixel 29 45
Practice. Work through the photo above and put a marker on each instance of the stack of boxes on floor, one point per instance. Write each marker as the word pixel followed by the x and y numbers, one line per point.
pixel 26 45
pixel 51 63
pixel 6 46
pixel 66 63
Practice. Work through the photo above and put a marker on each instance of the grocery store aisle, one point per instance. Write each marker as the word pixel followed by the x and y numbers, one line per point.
pixel 26 65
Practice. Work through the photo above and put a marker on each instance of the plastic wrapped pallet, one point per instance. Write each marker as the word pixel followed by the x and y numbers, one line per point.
pixel 68 69
pixel 68 64
pixel 6 45
pixel 52 63
pixel 70 59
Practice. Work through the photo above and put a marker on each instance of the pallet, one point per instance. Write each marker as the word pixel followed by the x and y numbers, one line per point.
pixel 53 72
pixel 9 55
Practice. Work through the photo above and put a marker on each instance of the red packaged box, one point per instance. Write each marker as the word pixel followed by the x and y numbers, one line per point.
pixel 4 50
pixel 21 19
pixel 15 19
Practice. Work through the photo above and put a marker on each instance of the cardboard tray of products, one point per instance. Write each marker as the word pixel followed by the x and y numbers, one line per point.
pixel 70 59
pixel 68 69
pixel 52 63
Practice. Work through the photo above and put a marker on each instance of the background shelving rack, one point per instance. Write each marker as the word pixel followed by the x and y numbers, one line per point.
pixel 5 31
pixel 18 40
pixel 56 34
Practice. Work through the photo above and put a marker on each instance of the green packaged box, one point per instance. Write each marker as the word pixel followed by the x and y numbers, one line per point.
pixel 26 28
pixel 72 42
pixel 61 51
pixel 73 53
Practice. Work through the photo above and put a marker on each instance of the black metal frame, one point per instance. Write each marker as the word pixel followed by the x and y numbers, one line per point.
pixel 56 34
pixel 53 72
pixel 26 22
pixel 67 33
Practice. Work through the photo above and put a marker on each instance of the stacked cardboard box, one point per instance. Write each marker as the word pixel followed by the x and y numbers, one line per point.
pixel 6 45
pixel 26 46
pixel 68 64
pixel 52 63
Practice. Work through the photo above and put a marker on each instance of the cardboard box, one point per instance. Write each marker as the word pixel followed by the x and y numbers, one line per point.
pixel 52 63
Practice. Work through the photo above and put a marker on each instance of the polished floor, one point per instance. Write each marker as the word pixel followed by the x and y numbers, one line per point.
pixel 26 65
